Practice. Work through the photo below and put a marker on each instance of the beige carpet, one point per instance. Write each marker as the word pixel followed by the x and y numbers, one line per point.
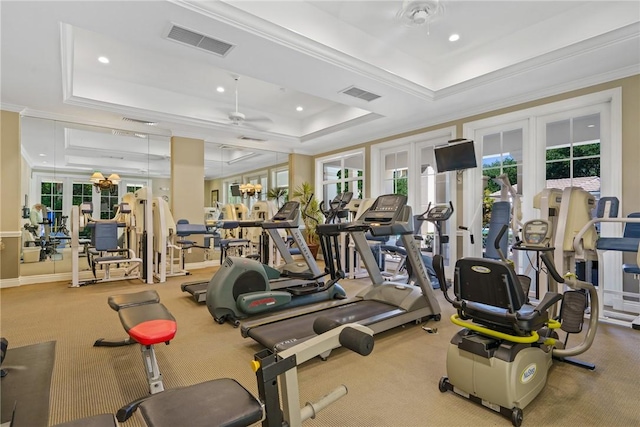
pixel 397 385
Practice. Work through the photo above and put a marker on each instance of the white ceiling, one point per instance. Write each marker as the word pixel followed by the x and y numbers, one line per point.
pixel 287 54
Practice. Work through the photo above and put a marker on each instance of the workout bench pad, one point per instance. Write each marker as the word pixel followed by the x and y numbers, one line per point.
pixel 221 402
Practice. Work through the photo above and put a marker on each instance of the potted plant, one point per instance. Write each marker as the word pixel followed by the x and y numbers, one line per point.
pixel 279 194
pixel 312 216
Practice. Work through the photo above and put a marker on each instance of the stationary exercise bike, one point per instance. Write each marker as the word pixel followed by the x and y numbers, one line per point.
pixel 502 356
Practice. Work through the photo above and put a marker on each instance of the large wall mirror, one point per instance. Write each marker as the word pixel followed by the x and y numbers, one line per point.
pixel 60 158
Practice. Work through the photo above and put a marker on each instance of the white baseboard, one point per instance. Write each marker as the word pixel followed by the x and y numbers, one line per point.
pixel 9 283
pixel 202 264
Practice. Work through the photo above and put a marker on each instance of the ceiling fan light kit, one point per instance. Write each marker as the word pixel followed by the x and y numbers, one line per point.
pixel 418 13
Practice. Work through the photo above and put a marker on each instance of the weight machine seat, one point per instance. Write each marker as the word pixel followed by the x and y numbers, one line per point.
pixel 148 324
pixel 489 292
pixel 219 402
pixel 627 243
pixel 103 420
pixel 184 228
pixel 631 268
pixel 116 302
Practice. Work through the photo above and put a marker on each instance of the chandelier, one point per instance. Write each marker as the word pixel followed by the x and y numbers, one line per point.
pixel 101 183
pixel 250 190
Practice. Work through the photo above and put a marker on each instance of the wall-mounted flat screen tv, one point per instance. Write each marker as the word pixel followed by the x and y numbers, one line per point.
pixel 235 190
pixel 456 155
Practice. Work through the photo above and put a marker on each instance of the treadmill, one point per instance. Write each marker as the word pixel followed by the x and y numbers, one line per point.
pixel 381 306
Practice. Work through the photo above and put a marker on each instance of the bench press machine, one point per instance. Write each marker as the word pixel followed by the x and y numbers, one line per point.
pixel 224 401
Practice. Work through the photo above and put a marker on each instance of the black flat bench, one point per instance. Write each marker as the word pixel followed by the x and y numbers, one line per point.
pixel 219 402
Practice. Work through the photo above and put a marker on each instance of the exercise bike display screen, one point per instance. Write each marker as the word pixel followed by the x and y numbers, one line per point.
pixel 536 233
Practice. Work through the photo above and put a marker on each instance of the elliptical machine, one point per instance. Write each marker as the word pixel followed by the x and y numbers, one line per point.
pixel 502 356
pixel 243 287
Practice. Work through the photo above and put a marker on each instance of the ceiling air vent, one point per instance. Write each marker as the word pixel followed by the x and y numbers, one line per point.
pixel 182 35
pixel 248 138
pixel 360 94
pixel 142 122
pixel 119 132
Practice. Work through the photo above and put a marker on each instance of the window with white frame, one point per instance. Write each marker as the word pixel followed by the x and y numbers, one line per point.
pixel 51 195
pixel 341 174
pixel 396 173
pixel 132 188
pixel 573 153
pixel 571 143
pixel 109 203
pixel 82 193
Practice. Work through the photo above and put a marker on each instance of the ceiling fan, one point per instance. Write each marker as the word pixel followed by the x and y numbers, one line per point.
pixel 415 13
pixel 240 119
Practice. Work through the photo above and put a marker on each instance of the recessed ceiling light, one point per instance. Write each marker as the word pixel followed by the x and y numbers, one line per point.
pixel 103 59
pixel 591 126
pixel 299 108
pixel 42 155
pixel 454 37
pixel 220 89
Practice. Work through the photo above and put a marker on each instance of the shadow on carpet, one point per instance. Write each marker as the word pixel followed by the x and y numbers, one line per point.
pixel 28 384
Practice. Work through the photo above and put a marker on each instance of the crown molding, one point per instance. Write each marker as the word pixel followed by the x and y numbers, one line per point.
pixel 621 35
pixel 252 24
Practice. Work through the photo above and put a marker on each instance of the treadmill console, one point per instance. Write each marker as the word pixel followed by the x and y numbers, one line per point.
pixel 536 233
pixel 385 209
pixel 288 216
pixel 439 213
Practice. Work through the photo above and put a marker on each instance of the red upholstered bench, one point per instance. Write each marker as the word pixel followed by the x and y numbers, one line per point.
pixel 147 322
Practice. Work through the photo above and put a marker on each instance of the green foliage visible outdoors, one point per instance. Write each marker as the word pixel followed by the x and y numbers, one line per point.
pixel 357 194
pixel 279 194
pixel 401 186
pixel 586 161
pixel 487 205
pixel 493 170
pixel 303 193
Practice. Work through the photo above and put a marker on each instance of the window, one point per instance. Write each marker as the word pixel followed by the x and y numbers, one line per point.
pixel 502 154
pixel 109 203
pixel 342 174
pixel 573 153
pixel 51 194
pixel 396 173
pixel 82 193
pixel 132 188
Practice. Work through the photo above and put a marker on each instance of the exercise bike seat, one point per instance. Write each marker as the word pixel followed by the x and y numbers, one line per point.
pixel 220 402
pixel 489 292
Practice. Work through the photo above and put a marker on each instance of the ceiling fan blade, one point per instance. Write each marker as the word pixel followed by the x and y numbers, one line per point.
pixel 256 125
pixel 259 120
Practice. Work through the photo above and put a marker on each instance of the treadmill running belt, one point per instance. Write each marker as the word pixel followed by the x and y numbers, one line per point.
pixel 285 333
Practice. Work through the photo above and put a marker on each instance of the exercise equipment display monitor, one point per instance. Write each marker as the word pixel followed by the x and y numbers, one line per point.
pixel 536 233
